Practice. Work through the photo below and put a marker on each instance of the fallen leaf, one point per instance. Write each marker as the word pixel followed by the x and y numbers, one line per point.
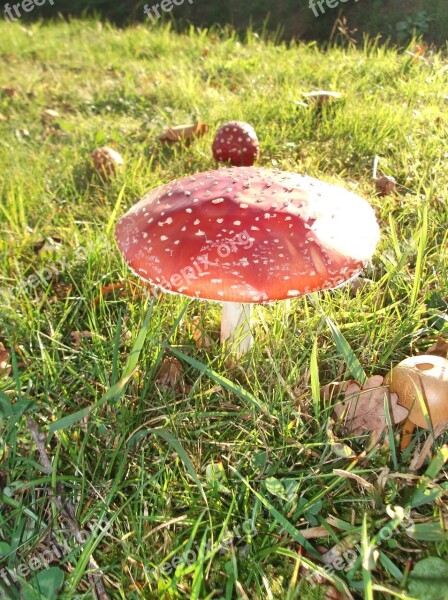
pixel 49 114
pixel 77 336
pixel 321 97
pixel 333 594
pixel 180 133
pixel 106 161
pixel 385 185
pixel 140 290
pixel 202 339
pixel 9 92
pixel 349 475
pixel 51 244
pixel 440 348
pixel 170 373
pixel 363 408
pixel 5 366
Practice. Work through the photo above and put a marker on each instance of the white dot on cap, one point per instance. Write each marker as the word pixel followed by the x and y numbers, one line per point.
pixel 188 210
pixel 196 222
pixel 217 200
pixel 237 222
pixel 199 232
pixel 219 220
pixel 244 206
pixel 163 238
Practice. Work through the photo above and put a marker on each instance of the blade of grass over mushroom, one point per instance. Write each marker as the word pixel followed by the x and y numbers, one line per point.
pixel 367 559
pixel 425 492
pixel 118 389
pixel 390 431
pixel 315 384
pixel 113 215
pixel 423 238
pixel 353 364
pixel 223 381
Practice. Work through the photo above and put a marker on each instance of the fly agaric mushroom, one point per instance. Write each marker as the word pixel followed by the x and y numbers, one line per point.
pixel 106 161
pixel 420 379
pixel 236 142
pixel 244 236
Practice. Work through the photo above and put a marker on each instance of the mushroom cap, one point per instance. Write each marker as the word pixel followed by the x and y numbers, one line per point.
pixel 106 160
pixel 248 235
pixel 236 142
pixel 430 374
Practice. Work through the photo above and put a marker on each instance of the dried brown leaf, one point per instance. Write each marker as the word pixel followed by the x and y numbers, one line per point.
pixel 8 92
pixel 363 408
pixel 385 185
pixel 180 133
pixel 440 348
pixel 321 97
pixel 170 373
pixel 334 594
pixel 5 365
pixel 49 114
pixel 77 336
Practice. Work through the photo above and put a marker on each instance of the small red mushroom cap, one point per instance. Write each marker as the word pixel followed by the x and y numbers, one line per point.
pixel 236 142
pixel 248 235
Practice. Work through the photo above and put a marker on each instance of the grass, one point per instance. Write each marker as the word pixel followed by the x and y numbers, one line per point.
pixel 244 451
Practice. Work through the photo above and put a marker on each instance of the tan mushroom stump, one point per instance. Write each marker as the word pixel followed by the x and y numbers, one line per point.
pixel 420 379
pixel 244 236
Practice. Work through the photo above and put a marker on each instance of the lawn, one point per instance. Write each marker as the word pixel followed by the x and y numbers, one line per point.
pixel 214 478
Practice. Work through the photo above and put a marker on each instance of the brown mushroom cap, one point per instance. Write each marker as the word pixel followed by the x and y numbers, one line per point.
pixel 429 374
pixel 248 235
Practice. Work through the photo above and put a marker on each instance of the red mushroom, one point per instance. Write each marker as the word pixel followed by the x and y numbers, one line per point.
pixel 246 235
pixel 236 142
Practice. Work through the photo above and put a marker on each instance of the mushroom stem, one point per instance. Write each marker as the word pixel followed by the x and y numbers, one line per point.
pixel 235 326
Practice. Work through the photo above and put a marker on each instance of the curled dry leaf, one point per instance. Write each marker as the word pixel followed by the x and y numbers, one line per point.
pixel 5 366
pixel 106 161
pixel 49 114
pixel 140 290
pixel 321 97
pixel 440 348
pixel 170 373
pixel 77 336
pixel 363 408
pixel 333 594
pixel 385 185
pixel 180 133
pixel 8 92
